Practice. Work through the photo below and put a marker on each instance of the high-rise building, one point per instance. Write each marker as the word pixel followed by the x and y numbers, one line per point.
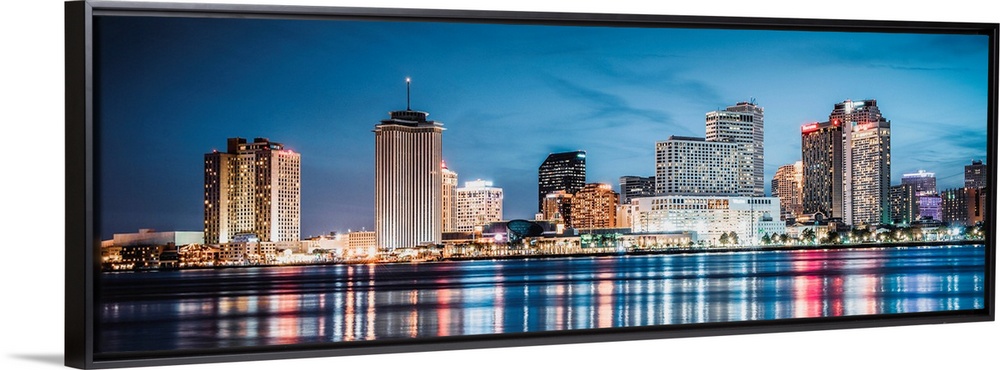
pixel 823 169
pixel 787 186
pixel 479 203
pixel 742 124
pixel 975 175
pixel 866 161
pixel 449 205
pixel 728 161
pixel 924 183
pixel 408 179
pixel 636 187
pixel 963 206
pixel 925 186
pixel 565 171
pixel 595 206
pixel 252 188
pixel 558 205
pixel 903 205
pixel 693 166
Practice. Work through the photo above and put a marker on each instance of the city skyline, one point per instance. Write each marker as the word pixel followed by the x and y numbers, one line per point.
pixel 615 106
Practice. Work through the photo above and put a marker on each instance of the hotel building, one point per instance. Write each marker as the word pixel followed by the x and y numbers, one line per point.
pixel 975 175
pixel 866 161
pixel 408 180
pixel 709 216
pixel 594 207
pixel 787 186
pixel 903 205
pixel 479 203
pixel 252 187
pixel 823 169
pixel 728 161
pixel 565 171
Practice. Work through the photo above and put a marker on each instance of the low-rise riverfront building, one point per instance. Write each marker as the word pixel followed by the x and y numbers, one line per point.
pixel 709 217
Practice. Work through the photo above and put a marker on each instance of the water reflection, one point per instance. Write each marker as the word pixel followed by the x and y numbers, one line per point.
pixel 287 305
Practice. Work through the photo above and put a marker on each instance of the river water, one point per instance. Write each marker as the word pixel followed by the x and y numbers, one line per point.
pixel 224 308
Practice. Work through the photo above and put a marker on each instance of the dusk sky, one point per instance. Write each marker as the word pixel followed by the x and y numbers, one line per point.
pixel 172 89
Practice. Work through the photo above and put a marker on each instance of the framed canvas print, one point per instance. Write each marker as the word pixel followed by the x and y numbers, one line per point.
pixel 250 182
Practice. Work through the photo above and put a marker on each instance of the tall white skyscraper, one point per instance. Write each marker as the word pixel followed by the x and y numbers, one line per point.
pixel 866 162
pixel 479 203
pixel 408 179
pixel 252 188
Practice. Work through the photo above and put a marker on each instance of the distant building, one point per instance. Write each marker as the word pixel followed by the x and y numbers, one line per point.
pixel 565 171
pixel 558 206
pixel 449 199
pixel 361 244
pixel 408 179
pixel 708 217
pixel 636 187
pixel 903 205
pixel 594 206
pixel 975 175
pixel 252 187
pixel 479 203
pixel 963 206
pixel 925 186
pixel 153 237
pixel 787 186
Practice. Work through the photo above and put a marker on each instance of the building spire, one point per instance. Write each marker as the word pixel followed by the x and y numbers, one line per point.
pixel 407 93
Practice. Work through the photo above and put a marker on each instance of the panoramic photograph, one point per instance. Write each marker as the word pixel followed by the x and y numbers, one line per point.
pixel 267 182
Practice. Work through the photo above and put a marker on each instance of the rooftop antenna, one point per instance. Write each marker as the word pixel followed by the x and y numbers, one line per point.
pixel 407 93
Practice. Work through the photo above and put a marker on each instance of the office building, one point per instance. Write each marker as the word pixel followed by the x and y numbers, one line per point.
pixel 787 187
pixel 636 187
pixel 925 186
pixel 963 206
pixel 565 171
pixel 903 205
pixel 975 175
pixel 408 180
pixel 252 188
pixel 558 206
pixel 594 207
pixel 479 203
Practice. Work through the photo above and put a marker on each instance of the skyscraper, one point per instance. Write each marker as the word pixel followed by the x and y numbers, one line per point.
pixel 594 206
pixel 408 179
pixel 975 174
pixel 479 203
pixel 866 161
pixel 823 169
pixel 252 188
pixel 565 171
pixel 728 161
pixel 903 205
pixel 449 188
pixel 743 124
pixel 925 187
pixel 636 187
pixel 787 186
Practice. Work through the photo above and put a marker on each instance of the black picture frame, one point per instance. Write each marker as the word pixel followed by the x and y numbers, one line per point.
pixel 82 264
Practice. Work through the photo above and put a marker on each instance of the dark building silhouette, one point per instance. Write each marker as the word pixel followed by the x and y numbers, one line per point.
pixel 565 171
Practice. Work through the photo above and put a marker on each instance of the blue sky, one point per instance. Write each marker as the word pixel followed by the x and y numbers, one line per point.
pixel 172 89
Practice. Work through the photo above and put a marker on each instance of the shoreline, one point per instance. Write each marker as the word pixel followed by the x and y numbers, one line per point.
pixel 677 251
